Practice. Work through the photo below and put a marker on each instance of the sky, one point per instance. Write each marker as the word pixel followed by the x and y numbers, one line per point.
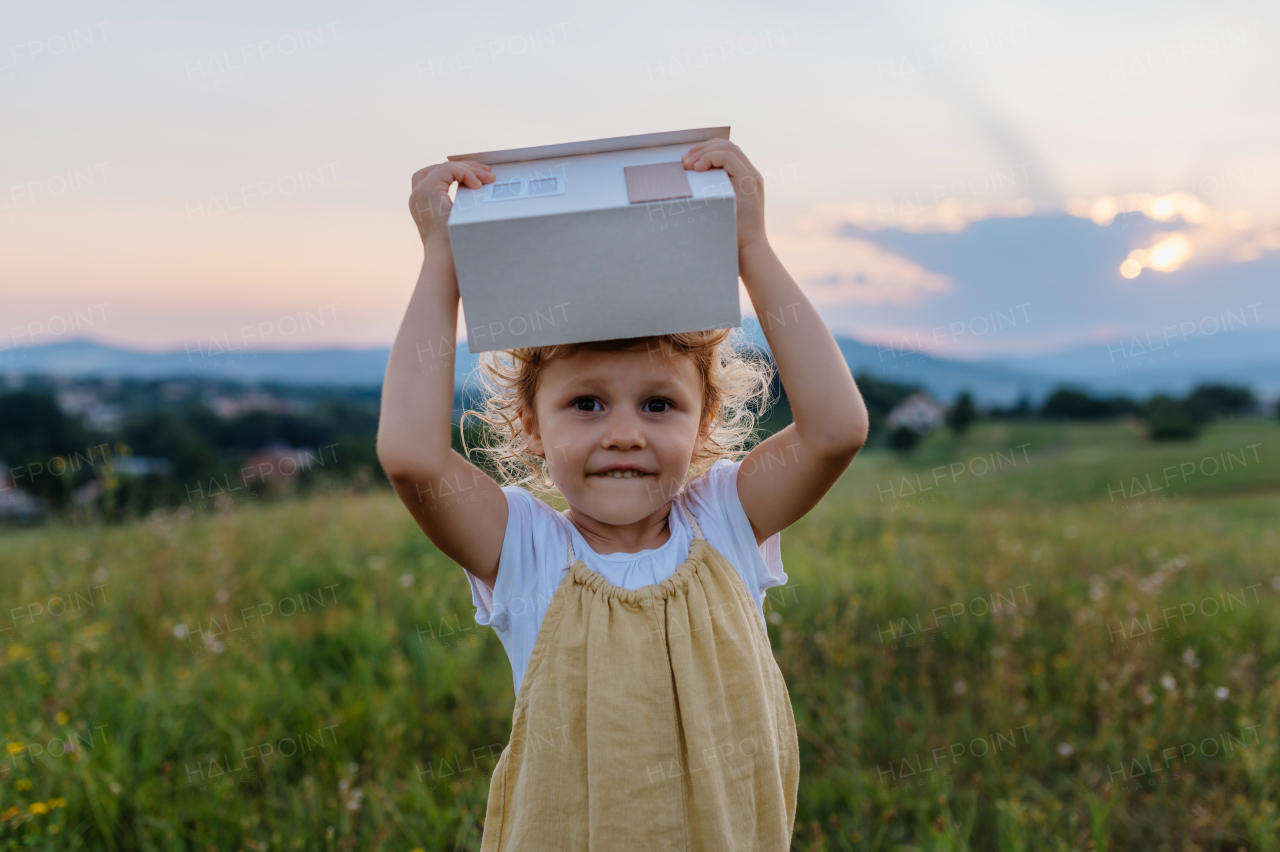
pixel 174 173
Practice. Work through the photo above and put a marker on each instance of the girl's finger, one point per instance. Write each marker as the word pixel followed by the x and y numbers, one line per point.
pixel 720 159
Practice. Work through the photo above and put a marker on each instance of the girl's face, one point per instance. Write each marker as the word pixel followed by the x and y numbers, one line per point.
pixel 618 429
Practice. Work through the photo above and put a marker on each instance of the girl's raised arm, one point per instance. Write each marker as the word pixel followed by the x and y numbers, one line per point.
pixel 458 506
pixel 787 474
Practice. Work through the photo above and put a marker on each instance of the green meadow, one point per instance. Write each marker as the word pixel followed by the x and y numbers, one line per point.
pixel 1041 636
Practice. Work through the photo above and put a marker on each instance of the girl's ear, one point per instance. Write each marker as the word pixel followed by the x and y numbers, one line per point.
pixel 705 429
pixel 711 420
pixel 532 437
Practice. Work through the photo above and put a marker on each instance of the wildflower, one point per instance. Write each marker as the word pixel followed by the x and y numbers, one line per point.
pixel 62 717
pixel 16 748
pixel 180 631
pixel 38 808
pixel 22 784
pixel 1065 749
pixel 1167 681
pixel 406 580
pixel 961 687
pixel 1221 693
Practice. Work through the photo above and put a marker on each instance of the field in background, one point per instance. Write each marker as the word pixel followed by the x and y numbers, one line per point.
pixel 1044 636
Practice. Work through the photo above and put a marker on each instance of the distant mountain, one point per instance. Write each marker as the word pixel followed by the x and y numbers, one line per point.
pixel 1163 361
pixel 84 358
pixel 1134 366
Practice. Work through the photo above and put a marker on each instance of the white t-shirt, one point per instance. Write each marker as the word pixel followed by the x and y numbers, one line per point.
pixel 535 557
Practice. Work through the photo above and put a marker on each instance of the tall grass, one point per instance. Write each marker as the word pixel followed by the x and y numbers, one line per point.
pixel 972 666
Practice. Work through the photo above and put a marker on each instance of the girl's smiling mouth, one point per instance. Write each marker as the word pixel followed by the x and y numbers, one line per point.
pixel 621 471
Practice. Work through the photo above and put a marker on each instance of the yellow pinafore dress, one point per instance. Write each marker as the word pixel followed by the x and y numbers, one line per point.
pixel 649 719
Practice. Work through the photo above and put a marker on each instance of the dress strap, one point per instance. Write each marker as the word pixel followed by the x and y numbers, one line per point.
pixel 568 534
pixel 693 522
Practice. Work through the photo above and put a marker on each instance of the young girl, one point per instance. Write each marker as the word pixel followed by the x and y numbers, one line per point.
pixel 650 712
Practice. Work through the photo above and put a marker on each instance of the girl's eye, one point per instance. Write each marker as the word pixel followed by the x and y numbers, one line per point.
pixel 586 403
pixel 657 406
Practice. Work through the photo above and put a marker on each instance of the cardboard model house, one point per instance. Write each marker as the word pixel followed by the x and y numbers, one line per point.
pixel 596 240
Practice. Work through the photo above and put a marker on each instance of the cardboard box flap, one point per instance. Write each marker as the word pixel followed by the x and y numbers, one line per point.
pixel 596 146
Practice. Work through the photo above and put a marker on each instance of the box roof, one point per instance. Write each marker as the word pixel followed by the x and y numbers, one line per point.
pixel 596 146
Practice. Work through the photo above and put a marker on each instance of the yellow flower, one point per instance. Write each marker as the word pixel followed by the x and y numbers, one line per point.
pixel 62 717
pixel 58 802
pixel 16 748
pixel 22 784
pixel 38 808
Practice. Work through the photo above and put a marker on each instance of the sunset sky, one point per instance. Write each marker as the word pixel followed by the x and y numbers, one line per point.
pixel 177 175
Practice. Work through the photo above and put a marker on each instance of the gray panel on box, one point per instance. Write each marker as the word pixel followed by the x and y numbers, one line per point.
pixel 657 182
pixel 598 275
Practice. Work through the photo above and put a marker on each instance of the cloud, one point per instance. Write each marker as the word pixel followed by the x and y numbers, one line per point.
pixel 1210 238
pixel 835 270
pixel 921 215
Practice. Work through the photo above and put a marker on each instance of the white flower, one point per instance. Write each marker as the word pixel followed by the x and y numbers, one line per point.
pixel 218 647
pixel 180 631
pixel 1167 681
pixel 406 580
pixel 961 687
pixel 223 596
pixel 1221 693
pixel 1065 749
pixel 1149 698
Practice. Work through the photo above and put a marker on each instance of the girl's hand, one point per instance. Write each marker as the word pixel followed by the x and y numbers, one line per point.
pixel 429 201
pixel 748 184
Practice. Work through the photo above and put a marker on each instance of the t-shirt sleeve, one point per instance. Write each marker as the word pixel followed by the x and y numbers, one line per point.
pixel 716 494
pixel 519 576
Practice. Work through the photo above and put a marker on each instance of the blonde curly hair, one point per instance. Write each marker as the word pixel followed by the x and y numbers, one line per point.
pixel 736 386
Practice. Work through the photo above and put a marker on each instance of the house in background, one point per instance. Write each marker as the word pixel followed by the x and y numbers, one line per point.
pixel 17 505
pixel 919 412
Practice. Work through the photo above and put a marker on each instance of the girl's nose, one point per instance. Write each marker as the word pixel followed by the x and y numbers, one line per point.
pixel 624 431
